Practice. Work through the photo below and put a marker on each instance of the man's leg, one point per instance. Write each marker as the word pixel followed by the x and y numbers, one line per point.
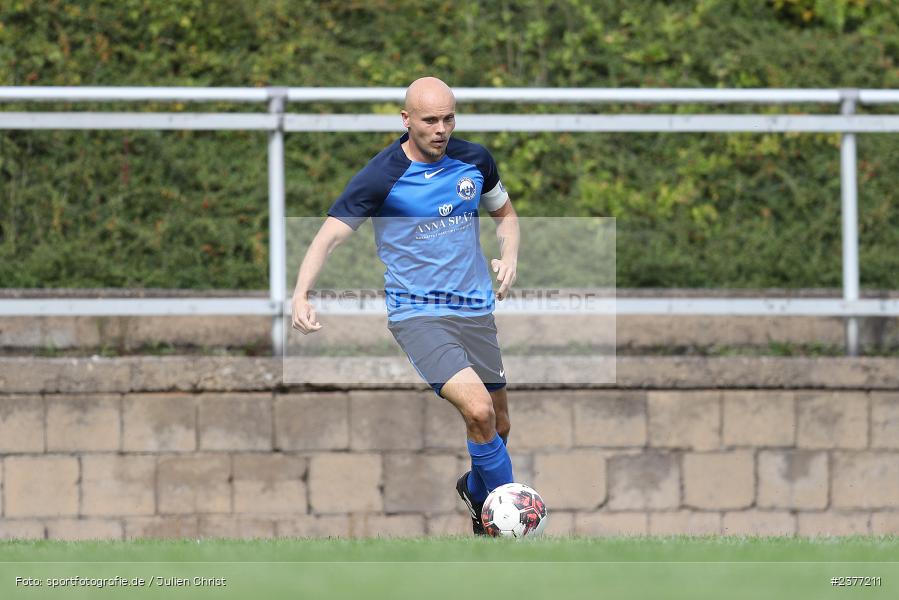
pixel 433 348
pixel 490 459
pixel 501 410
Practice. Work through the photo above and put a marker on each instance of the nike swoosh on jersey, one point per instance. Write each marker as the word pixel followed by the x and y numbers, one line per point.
pixel 430 174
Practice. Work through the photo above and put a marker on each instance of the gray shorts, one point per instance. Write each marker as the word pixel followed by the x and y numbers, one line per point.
pixel 440 347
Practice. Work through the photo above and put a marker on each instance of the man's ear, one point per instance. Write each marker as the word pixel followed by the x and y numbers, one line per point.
pixel 405 116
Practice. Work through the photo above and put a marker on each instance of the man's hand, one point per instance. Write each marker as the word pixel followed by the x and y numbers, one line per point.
pixel 304 318
pixel 506 274
pixel 332 233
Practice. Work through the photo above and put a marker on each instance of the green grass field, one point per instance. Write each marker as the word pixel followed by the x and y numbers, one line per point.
pixel 457 567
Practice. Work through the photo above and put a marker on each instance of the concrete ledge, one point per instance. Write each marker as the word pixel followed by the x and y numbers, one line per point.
pixel 648 292
pixel 193 373
pixel 758 372
pixel 627 331
pixel 631 331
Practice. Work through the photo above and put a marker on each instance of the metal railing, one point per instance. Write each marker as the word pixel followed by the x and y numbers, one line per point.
pixel 277 122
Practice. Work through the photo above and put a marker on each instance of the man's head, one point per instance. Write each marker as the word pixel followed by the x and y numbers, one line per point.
pixel 430 116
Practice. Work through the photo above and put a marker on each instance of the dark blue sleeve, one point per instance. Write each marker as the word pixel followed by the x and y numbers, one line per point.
pixel 365 193
pixel 478 155
pixel 488 169
pixel 362 197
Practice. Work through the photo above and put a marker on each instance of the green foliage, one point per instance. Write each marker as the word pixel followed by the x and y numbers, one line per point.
pixel 189 210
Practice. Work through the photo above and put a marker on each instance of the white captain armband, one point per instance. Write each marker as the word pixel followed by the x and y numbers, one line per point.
pixel 495 198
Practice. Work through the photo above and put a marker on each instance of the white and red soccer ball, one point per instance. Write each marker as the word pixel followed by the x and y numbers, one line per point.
pixel 514 510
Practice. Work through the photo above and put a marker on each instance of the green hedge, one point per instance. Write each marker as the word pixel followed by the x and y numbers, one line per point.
pixel 189 210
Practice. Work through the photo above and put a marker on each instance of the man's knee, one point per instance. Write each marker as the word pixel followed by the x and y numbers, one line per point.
pixel 481 415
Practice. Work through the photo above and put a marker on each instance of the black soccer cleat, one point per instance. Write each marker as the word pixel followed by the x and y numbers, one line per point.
pixel 473 507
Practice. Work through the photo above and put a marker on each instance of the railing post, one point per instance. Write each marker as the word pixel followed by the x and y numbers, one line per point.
pixel 849 189
pixel 277 266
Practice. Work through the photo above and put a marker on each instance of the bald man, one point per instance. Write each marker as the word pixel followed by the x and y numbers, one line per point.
pixel 424 194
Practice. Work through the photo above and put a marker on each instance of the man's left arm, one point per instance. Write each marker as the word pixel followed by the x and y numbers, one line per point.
pixel 509 236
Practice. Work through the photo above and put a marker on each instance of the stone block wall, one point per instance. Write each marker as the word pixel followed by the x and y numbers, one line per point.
pixel 211 454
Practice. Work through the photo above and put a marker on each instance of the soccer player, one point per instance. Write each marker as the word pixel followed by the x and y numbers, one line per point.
pixel 424 192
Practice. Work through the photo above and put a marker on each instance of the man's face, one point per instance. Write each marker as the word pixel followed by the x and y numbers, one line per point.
pixel 430 126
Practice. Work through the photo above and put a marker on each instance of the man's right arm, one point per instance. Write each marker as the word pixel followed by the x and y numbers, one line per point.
pixel 332 233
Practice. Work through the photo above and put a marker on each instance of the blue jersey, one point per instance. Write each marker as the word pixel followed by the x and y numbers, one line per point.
pixel 425 217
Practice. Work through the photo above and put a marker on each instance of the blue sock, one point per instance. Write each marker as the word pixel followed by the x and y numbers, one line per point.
pixel 491 463
pixel 476 486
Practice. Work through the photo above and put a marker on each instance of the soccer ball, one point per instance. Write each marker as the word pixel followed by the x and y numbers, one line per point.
pixel 514 510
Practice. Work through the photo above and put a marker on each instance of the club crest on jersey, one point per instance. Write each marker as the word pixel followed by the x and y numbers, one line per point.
pixel 445 209
pixel 466 188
